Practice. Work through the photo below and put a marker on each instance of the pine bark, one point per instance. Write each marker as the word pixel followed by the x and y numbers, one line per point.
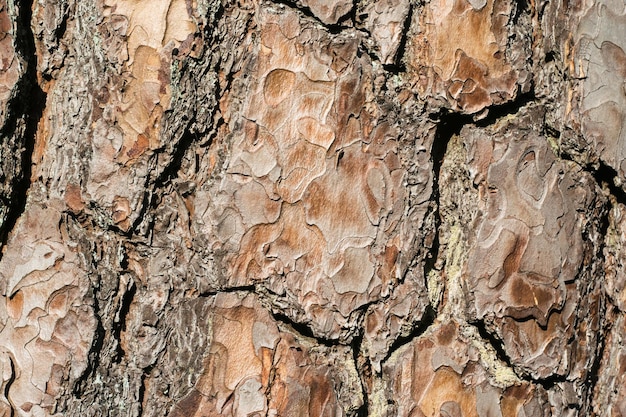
pixel 312 208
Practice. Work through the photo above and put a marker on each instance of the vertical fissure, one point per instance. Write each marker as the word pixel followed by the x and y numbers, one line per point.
pixel 364 368
pixel 449 124
pixel 25 109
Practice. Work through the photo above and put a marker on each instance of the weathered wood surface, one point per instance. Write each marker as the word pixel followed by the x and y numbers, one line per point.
pixel 312 208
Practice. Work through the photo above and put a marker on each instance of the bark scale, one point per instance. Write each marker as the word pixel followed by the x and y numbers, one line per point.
pixel 360 208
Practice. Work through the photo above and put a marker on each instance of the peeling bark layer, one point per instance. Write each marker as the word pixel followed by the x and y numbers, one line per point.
pixel 312 208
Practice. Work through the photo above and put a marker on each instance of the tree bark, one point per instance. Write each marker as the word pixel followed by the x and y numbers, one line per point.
pixel 312 208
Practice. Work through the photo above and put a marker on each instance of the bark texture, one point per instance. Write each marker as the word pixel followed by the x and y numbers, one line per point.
pixel 313 208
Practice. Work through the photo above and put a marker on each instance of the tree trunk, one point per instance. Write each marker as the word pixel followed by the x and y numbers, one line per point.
pixel 312 208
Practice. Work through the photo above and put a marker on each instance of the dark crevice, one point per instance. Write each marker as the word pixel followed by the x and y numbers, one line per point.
pixel 84 381
pixel 606 312
pixel 119 231
pixel 148 201
pixel 494 342
pixel 93 357
pixel 187 128
pixel 506 109
pixel 59 31
pixel 364 370
pixel 168 173
pixel 364 49
pixel 547 383
pixel 448 125
pixel 550 56
pixel 119 325
pixel 350 17
pixel 24 111
pixel 605 174
pixel 303 329
pixel 333 28
pixel 451 122
pixel 242 288
pixel 430 314
pixel 521 6
pixel 141 392
pixel 593 374
pixel 602 173
pixel 180 149
pixel 399 65
pixel 297 327
pixel 363 410
pixel 7 386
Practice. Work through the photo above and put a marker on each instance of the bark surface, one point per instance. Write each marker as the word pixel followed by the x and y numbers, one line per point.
pixel 313 208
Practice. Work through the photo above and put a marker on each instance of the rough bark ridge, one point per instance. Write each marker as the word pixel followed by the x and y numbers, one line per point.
pixel 312 208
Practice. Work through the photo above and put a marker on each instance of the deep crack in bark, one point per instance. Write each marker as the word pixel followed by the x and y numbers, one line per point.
pixel 362 364
pixel 27 111
pixel 419 328
pixel 306 11
pixel 303 330
pixel 7 386
pixel 119 324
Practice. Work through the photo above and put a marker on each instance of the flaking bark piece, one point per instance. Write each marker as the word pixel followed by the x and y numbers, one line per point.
pixel 253 366
pixel 458 50
pixel 600 61
pixel 328 12
pixel 46 324
pixel 312 205
pixel 527 275
pixel 443 373
pixel 386 20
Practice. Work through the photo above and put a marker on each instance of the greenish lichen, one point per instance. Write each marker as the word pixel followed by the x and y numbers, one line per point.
pixel 459 202
pixel 456 256
pixel 555 145
pixel 378 404
pixel 435 287
pixel 502 375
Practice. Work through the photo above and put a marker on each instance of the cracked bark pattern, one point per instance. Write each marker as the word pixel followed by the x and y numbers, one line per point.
pixel 13 113
pixel 284 372
pixel 527 261
pixel 454 376
pixel 312 208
